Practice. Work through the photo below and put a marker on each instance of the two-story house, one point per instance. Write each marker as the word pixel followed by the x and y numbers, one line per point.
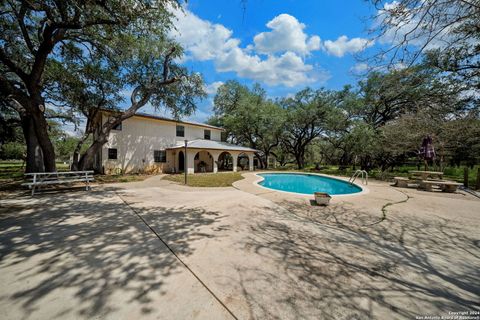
pixel 153 144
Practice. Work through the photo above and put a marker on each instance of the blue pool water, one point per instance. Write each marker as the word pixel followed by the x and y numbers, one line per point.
pixel 306 183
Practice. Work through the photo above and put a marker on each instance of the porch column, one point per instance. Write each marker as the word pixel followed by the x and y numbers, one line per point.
pixel 234 159
pixel 250 161
pixel 215 154
pixel 190 158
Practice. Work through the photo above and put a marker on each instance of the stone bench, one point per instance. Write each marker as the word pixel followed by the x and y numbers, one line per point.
pixel 401 182
pixel 446 186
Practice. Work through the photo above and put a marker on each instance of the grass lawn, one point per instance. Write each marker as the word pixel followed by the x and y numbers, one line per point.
pixel 11 175
pixel 222 179
pixel 13 170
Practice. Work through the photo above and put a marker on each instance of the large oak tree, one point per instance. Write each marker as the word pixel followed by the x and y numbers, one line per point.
pixel 249 117
pixel 45 45
pixel 306 117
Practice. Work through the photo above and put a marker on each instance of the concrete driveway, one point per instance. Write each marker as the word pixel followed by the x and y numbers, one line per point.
pixel 158 250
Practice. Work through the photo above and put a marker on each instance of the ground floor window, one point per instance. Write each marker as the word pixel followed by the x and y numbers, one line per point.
pixel 112 154
pixel 160 156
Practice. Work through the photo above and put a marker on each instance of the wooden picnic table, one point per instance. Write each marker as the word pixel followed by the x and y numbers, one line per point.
pixel 427 174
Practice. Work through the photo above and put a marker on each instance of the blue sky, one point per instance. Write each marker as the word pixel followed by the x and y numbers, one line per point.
pixel 327 19
pixel 283 45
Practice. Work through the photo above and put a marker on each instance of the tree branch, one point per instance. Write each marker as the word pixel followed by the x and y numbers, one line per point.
pixel 166 64
pixel 12 66
pixel 20 18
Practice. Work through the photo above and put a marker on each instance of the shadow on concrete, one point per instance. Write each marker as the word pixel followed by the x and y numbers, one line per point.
pixel 91 249
pixel 330 267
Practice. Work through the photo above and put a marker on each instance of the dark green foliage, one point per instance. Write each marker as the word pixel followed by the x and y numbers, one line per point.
pixel 378 124
pixel 249 117
pixel 12 151
pixel 73 58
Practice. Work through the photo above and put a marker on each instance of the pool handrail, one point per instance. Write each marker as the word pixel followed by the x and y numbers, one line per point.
pixel 356 174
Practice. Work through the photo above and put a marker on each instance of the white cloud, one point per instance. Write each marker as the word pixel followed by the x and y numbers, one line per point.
pixel 213 87
pixel 286 35
pixel 288 69
pixel 204 40
pixel 412 25
pixel 343 45
pixel 359 67
pixel 200 116
pixel 398 66
pixel 314 43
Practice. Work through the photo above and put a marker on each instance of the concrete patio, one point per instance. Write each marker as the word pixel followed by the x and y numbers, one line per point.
pixel 159 250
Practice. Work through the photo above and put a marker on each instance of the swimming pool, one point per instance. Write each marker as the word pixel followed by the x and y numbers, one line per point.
pixel 307 183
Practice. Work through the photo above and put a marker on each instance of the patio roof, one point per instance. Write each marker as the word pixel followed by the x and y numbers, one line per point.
pixel 211 144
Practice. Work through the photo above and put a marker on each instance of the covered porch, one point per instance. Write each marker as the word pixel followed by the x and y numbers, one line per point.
pixel 211 156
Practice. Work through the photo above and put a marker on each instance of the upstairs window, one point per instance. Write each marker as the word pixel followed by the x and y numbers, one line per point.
pixel 112 154
pixel 206 134
pixel 223 136
pixel 160 156
pixel 180 131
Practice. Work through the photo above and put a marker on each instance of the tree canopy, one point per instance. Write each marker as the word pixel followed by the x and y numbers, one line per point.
pixel 248 117
pixel 443 33
pixel 380 122
pixel 71 60
pixel 73 57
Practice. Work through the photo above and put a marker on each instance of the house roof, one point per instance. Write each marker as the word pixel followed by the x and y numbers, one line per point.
pixel 150 116
pixel 212 144
pixel 155 117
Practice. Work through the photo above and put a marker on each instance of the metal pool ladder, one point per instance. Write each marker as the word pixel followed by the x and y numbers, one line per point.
pixel 357 173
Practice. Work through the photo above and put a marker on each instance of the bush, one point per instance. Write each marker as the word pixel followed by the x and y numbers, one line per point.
pixel 12 151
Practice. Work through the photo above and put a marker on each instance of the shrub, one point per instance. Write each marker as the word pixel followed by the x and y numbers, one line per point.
pixel 12 150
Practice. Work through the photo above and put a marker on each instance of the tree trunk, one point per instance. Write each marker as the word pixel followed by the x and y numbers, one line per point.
pixel 76 153
pixel 34 159
pixel 75 160
pixel 263 162
pixel 300 161
pixel 41 131
pixel 86 160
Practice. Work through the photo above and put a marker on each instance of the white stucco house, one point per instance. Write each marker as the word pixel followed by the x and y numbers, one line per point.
pixel 153 144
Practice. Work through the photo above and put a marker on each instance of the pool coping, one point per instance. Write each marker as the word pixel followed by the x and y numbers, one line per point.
pixel 364 189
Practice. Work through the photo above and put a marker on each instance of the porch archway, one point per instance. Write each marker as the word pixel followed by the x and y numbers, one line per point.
pixel 203 162
pixel 243 161
pixel 225 161
pixel 181 161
